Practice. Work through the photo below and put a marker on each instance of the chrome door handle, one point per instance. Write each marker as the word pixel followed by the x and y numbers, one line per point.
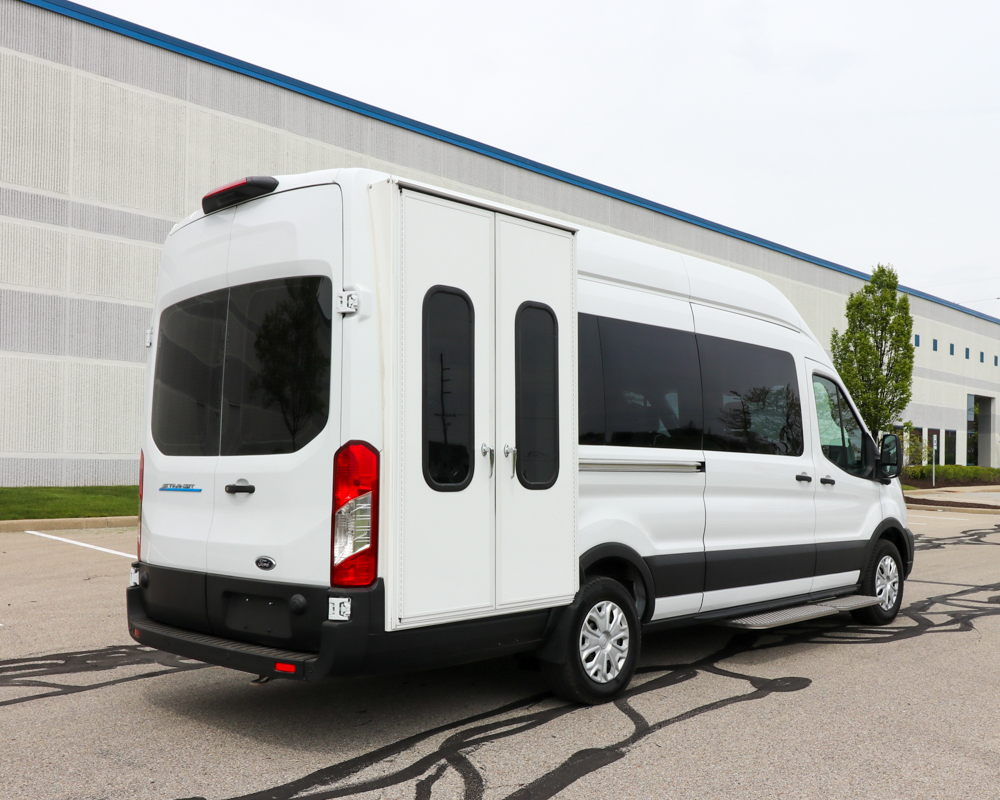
pixel 511 452
pixel 827 481
pixel 486 449
pixel 803 477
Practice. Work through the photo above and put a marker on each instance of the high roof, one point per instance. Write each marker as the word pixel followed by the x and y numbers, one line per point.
pixel 133 31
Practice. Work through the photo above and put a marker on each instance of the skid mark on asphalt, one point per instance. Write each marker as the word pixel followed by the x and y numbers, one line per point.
pixel 453 746
pixel 46 672
pixel 973 536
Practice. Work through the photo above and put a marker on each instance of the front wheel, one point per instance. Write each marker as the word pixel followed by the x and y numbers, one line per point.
pixel 882 579
pixel 603 647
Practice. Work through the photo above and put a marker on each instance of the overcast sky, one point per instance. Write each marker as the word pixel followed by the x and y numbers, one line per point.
pixel 858 132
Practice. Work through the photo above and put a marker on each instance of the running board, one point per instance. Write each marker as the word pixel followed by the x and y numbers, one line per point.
pixel 786 616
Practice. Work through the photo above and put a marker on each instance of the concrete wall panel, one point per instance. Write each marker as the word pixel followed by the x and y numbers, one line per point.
pixel 32 323
pixel 32 256
pixel 110 268
pixel 130 61
pixel 36 150
pixel 32 30
pixel 106 331
pixel 103 409
pixel 115 132
pixel 31 396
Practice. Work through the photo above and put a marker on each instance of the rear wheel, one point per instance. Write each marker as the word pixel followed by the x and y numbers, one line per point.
pixel 883 578
pixel 603 646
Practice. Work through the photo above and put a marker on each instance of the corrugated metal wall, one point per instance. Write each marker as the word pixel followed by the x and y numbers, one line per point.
pixel 105 141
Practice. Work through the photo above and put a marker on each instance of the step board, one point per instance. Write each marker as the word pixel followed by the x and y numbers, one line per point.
pixel 787 616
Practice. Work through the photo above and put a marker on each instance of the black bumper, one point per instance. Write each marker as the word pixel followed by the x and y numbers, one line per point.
pixel 178 620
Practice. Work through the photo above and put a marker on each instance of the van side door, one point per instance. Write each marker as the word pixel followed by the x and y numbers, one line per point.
pixel 848 507
pixel 759 472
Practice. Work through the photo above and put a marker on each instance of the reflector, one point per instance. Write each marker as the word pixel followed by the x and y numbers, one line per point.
pixel 281 666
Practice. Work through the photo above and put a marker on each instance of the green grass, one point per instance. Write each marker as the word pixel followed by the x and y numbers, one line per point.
pixel 953 475
pixel 59 502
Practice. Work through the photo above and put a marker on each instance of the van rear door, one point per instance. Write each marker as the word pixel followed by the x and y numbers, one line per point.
pixel 183 391
pixel 281 395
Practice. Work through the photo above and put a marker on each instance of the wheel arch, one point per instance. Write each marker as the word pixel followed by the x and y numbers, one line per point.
pixel 625 565
pixel 891 529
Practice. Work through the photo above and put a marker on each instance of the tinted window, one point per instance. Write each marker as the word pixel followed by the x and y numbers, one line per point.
pixel 591 397
pixel 751 398
pixel 277 387
pixel 640 385
pixel 536 378
pixel 841 437
pixel 187 384
pixel 447 388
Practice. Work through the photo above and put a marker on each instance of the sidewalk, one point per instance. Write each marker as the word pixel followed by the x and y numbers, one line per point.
pixel 975 499
pixel 18 525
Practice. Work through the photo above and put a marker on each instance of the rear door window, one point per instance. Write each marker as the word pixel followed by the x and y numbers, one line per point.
pixel 536 375
pixel 277 384
pixel 187 383
pixel 244 371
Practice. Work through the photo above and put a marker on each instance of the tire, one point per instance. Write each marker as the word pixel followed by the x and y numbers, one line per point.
pixel 883 577
pixel 603 644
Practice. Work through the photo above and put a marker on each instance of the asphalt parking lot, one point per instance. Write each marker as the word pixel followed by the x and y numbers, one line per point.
pixel 824 709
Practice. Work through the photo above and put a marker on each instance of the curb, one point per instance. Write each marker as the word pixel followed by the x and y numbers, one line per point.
pixel 952 509
pixel 73 523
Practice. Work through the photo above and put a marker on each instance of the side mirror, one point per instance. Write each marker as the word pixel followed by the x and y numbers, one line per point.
pixel 890 463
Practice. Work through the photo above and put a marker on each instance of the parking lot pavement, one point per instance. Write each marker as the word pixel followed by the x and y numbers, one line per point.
pixel 823 709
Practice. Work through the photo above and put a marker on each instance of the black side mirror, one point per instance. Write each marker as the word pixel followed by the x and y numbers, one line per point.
pixel 890 463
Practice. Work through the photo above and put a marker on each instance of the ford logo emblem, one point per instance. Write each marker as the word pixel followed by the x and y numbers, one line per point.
pixel 264 563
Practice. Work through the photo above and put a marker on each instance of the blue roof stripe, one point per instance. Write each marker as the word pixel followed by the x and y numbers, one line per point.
pixel 133 31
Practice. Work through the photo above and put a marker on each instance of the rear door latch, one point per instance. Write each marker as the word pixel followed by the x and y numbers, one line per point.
pixel 347 302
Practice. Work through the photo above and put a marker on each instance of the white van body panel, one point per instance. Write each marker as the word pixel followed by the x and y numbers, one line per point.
pixel 176 522
pixel 288 517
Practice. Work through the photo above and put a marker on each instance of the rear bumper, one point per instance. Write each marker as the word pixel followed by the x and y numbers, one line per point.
pixel 171 621
pixel 342 645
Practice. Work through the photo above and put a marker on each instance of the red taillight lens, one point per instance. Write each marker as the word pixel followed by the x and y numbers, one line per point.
pixel 354 539
pixel 237 192
pixel 138 536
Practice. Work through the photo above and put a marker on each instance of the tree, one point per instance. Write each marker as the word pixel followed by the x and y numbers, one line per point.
pixel 874 355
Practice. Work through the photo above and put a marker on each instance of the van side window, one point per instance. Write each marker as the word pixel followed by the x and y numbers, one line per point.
pixel 640 385
pixel 536 379
pixel 591 395
pixel 448 388
pixel 276 397
pixel 752 400
pixel 840 433
pixel 187 383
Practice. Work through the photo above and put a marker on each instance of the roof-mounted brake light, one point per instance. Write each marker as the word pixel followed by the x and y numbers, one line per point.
pixel 237 192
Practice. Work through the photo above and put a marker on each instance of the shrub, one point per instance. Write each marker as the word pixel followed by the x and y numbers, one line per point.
pixel 953 472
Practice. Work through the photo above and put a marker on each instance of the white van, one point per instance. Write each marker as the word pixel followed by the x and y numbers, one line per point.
pixel 391 427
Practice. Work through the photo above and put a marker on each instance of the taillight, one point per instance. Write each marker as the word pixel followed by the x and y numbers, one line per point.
pixel 354 546
pixel 237 192
pixel 138 537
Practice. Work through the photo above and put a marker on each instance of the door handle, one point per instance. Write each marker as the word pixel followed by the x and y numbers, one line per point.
pixel 827 481
pixel 511 452
pixel 803 477
pixel 240 488
pixel 487 450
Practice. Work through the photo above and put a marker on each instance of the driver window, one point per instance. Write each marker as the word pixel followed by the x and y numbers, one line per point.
pixel 841 436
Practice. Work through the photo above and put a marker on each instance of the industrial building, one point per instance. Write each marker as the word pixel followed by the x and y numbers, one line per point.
pixel 110 133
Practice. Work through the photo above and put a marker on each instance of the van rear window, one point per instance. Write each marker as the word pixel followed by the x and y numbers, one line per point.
pixel 244 371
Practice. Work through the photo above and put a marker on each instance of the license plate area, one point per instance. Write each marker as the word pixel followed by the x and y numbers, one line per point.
pixel 261 616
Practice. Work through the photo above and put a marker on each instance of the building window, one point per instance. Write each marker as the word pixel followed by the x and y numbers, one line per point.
pixel 966 352
pixel 950 440
pixel 935 345
pixel 952 348
pixel 916 340
pixel 995 364
pixel 982 357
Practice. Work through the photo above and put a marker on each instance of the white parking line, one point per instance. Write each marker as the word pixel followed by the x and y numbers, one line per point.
pixel 81 544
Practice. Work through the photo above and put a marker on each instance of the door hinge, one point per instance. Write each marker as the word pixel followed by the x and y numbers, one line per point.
pixel 149 337
pixel 347 303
